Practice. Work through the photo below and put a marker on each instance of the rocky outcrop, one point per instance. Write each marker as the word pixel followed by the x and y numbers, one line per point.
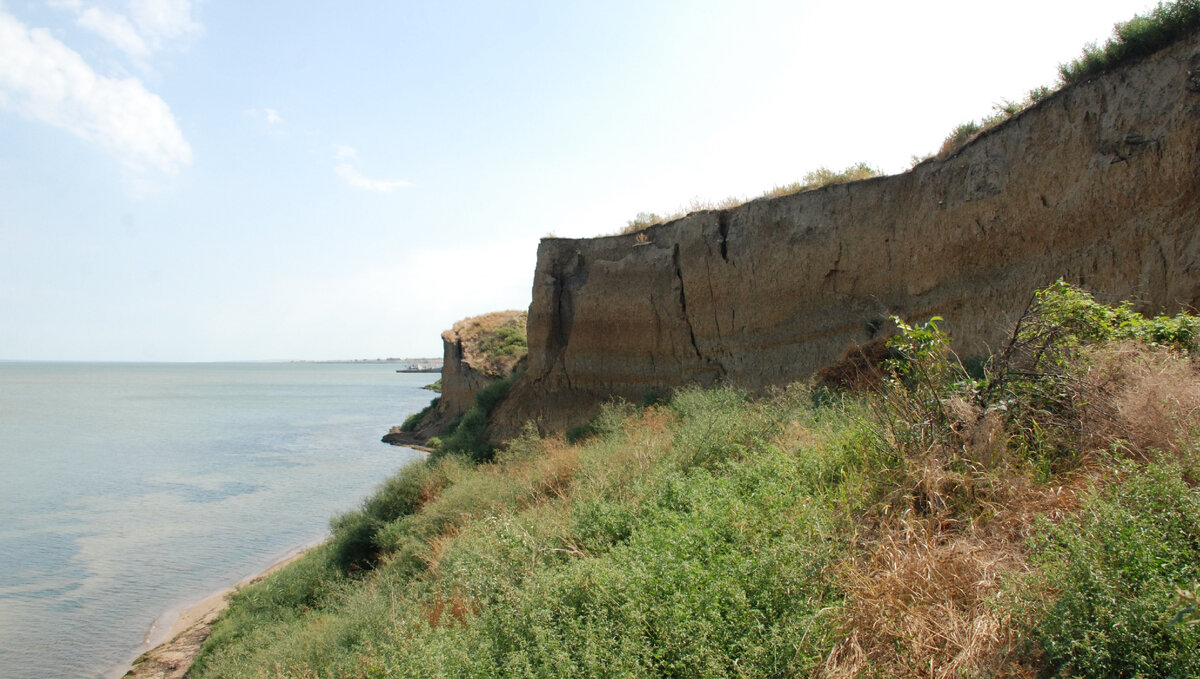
pixel 477 351
pixel 1098 184
pixel 473 359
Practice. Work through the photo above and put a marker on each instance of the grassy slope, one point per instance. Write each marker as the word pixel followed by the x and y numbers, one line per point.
pixel 798 535
pixel 1044 520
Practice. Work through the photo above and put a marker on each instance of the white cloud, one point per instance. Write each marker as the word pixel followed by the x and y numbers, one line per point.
pixel 345 169
pixel 144 27
pixel 162 20
pixel 114 28
pixel 269 116
pixel 44 80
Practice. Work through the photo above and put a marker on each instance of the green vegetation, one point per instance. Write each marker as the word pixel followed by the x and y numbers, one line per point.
pixel 467 433
pixel 434 386
pixel 506 340
pixel 1114 570
pixel 413 421
pixel 1140 36
pixel 1039 517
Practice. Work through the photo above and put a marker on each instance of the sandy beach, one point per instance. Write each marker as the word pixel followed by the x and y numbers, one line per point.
pixel 175 638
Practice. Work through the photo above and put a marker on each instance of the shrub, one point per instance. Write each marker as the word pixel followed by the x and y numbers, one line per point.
pixel 921 379
pixel 400 494
pixel 490 396
pixel 1140 36
pixel 507 340
pixel 642 221
pixel 468 432
pixel 823 176
pixel 352 543
pixel 958 137
pixel 413 421
pixel 1112 576
pixel 1043 380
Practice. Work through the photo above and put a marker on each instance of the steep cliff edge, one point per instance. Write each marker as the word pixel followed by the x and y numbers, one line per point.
pixel 476 351
pixel 1098 184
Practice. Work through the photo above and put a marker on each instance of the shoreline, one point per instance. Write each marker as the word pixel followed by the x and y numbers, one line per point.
pixel 168 650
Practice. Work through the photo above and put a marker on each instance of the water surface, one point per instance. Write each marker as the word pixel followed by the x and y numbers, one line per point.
pixel 127 490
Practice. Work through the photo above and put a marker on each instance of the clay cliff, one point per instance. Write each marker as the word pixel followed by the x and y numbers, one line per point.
pixel 1099 184
pixel 476 352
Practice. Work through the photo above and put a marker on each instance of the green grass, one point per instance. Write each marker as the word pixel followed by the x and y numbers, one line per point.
pixel 718 535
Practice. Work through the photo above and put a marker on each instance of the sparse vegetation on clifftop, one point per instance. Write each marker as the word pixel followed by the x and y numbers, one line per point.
pixel 944 524
pixel 482 354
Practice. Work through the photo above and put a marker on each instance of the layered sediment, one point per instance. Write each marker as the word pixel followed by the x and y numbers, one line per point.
pixel 1098 184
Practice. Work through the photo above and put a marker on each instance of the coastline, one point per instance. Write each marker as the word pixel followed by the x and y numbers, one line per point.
pixel 175 637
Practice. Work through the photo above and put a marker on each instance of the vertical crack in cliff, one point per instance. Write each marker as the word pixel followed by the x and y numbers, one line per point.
pixel 723 233
pixel 683 302
pixel 566 278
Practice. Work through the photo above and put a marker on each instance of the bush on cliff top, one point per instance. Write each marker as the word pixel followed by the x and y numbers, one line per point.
pixel 1140 36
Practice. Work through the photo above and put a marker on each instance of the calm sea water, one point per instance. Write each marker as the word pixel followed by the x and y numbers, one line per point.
pixel 127 490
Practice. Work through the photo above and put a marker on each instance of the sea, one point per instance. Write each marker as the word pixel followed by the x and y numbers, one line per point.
pixel 129 491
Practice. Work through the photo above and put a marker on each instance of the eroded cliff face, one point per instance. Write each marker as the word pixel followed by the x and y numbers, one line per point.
pixel 471 359
pixel 1098 184
pixel 476 352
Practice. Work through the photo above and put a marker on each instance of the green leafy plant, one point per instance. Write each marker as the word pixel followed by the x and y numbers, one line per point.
pixel 1138 37
pixel 1113 574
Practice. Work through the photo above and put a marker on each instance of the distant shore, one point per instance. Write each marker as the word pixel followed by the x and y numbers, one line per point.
pixel 174 638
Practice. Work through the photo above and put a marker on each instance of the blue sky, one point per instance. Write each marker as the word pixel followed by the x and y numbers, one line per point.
pixel 211 180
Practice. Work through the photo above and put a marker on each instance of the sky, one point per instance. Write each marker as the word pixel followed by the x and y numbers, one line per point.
pixel 208 180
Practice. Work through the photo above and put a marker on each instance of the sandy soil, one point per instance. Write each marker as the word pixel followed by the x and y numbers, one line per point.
pixel 175 650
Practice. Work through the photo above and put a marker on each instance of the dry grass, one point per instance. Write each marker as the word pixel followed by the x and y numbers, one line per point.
pixel 924 591
pixel 824 176
pixel 455 607
pixel 920 607
pixel 1141 399
pixel 927 578
pixel 859 368
pixel 645 220
pixel 437 547
pixel 819 177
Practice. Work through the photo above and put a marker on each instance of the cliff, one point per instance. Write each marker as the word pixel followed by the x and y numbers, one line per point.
pixel 1098 184
pixel 476 352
